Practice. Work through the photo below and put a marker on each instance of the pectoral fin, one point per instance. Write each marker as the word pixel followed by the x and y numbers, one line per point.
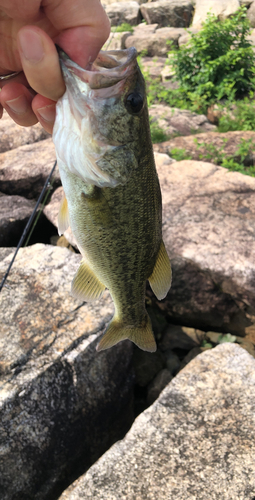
pixel 160 280
pixel 86 286
pixel 63 216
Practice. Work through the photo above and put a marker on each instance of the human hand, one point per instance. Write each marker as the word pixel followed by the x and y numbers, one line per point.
pixel 28 33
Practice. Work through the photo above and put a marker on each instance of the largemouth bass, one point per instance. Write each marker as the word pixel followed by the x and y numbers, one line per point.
pixel 112 194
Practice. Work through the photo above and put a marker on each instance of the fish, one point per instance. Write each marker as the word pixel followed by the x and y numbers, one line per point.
pixel 112 198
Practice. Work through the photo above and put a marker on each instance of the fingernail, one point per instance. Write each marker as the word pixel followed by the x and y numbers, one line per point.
pixel 18 105
pixel 31 45
pixel 47 113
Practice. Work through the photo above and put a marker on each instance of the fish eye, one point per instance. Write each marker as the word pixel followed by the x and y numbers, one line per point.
pixel 134 103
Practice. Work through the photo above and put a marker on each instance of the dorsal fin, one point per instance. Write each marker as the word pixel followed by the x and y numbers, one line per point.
pixel 160 280
pixel 63 216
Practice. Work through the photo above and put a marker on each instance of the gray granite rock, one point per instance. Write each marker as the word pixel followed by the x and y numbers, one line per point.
pixel 147 365
pixel 154 44
pixel 220 8
pixel 251 14
pixel 181 337
pixel 208 229
pixel 174 13
pixel 179 121
pixel 14 214
pixel 123 12
pixel 62 404
pixel 157 385
pixel 24 170
pixel 12 135
pixel 195 442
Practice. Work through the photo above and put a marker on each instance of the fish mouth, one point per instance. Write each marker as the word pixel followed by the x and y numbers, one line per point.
pixel 108 69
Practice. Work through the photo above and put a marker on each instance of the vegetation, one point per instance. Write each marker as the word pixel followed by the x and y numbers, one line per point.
pixel 239 115
pixel 157 133
pixel 212 153
pixel 123 27
pixel 217 63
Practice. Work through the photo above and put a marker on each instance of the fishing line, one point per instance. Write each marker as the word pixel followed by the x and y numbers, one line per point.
pixel 28 225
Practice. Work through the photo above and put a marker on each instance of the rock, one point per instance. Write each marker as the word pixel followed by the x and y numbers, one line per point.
pixel 185 38
pixel 196 441
pixel 12 135
pixel 123 12
pixel 192 354
pixel 109 2
pixel 210 144
pixel 14 214
pixel 208 229
pixel 251 14
pixel 157 385
pixel 163 159
pixel 62 404
pixel 51 212
pixel 175 13
pixel 172 361
pixel 116 41
pixel 181 337
pixel 153 66
pixel 147 365
pixel 181 121
pixel 220 8
pixel 216 338
pixel 24 170
pixel 155 44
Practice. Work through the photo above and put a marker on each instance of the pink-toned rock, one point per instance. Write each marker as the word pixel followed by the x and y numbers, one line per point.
pixel 175 13
pixel 155 44
pixel 24 170
pixel 12 135
pixel 220 8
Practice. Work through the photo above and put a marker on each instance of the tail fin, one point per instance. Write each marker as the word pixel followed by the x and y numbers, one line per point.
pixel 141 336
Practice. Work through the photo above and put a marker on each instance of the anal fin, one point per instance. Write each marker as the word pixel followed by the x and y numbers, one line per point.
pixel 63 216
pixel 85 285
pixel 160 280
pixel 142 335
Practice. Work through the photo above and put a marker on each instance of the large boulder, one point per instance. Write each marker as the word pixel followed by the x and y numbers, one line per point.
pixel 179 121
pixel 14 214
pixel 196 441
pixel 62 404
pixel 12 135
pixel 123 12
pixel 154 42
pixel 24 170
pixel 210 144
pixel 251 14
pixel 175 13
pixel 208 219
pixel 220 8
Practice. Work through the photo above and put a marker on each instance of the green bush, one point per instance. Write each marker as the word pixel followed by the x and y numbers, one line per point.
pixel 241 116
pixel 218 62
pixel 123 27
pixel 157 133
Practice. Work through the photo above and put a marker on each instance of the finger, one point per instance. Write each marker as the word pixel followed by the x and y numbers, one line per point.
pixel 83 27
pixel 40 62
pixel 45 110
pixel 17 99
